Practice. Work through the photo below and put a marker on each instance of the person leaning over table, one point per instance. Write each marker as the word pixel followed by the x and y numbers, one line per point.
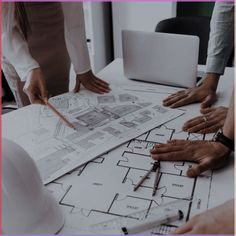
pixel 39 42
pixel 220 46
pixel 207 155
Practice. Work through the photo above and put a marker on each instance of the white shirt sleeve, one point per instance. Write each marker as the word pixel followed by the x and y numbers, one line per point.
pixel 15 47
pixel 75 36
pixel 221 40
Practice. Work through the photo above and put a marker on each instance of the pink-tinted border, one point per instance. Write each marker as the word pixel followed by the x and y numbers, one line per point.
pixel 113 234
pixel 69 1
pixel 1 124
pixel 120 1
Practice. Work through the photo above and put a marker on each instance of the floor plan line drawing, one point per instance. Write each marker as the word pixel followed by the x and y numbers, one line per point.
pixel 128 164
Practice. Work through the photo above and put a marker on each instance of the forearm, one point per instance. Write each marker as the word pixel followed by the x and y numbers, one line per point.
pixel 228 128
pixel 221 37
pixel 211 81
pixel 76 37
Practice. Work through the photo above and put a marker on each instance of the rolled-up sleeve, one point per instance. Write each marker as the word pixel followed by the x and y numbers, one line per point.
pixel 221 37
pixel 15 48
pixel 75 36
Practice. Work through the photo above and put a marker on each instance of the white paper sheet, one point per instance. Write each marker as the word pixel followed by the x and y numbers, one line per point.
pixel 103 122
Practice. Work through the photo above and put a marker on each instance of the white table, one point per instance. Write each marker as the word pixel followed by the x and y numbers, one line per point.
pixel 222 188
pixel 113 73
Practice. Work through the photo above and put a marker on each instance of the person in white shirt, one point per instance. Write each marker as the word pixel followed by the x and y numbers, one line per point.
pixel 220 47
pixel 39 43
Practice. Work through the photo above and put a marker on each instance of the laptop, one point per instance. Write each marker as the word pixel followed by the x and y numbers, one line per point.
pixel 168 59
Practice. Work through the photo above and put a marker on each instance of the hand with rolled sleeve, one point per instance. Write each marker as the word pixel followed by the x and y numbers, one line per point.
pixel 78 50
pixel 218 220
pixel 206 94
pixel 220 46
pixel 92 83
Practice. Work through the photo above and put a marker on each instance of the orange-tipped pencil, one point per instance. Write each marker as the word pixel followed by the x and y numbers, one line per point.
pixel 50 106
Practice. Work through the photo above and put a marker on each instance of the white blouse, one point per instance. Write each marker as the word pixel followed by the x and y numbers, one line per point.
pixel 15 47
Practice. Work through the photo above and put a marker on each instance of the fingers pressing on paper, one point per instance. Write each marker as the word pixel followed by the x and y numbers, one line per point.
pixel 210 122
pixel 206 154
pixel 203 94
pixel 92 83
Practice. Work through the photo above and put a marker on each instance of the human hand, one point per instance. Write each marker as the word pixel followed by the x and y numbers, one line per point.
pixel 92 83
pixel 218 220
pixel 35 87
pixel 207 154
pixel 206 94
pixel 210 122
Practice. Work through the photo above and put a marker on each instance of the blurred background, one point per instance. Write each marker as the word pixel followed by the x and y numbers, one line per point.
pixel 105 21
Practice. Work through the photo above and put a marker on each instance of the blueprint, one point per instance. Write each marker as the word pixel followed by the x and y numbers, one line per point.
pixel 102 189
pixel 102 123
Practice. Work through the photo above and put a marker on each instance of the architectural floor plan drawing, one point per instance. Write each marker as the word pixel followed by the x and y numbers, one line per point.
pixel 103 189
pixel 102 123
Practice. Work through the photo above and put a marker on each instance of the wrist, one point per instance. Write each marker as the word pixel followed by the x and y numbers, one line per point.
pixel 211 81
pixel 229 133
pixel 35 70
pixel 224 140
pixel 222 149
pixel 84 77
pixel 85 74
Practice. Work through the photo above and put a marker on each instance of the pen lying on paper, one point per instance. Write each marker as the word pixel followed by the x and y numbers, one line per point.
pixel 149 223
pixel 50 106
pixel 154 168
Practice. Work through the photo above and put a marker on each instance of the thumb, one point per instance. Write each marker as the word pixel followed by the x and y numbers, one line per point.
pixel 197 169
pixel 208 101
pixel 77 86
pixel 43 91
